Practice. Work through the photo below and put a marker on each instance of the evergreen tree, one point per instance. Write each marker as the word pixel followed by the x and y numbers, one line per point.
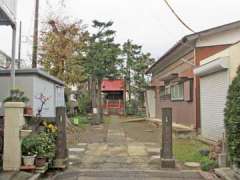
pixel 102 59
pixel 130 52
pixel 232 120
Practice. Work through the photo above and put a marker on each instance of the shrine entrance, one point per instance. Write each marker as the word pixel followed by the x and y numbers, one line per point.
pixel 113 94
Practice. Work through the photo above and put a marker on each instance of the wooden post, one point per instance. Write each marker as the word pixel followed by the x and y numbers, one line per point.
pixel 61 152
pixel 167 160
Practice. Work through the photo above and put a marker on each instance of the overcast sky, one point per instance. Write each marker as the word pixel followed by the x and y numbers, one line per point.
pixel 146 22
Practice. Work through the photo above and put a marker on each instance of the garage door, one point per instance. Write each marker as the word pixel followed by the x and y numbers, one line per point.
pixel 213 91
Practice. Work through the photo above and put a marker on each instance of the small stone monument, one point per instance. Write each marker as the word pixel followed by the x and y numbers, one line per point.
pixel 167 160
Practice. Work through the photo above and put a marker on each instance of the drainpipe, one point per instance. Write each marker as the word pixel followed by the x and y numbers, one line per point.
pixel 13 56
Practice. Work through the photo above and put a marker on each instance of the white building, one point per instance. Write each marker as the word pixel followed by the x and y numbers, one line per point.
pixel 34 83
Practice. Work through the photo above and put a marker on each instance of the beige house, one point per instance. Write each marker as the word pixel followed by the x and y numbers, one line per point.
pixel 216 74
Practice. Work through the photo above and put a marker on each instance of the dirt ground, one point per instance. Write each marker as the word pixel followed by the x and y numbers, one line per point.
pixel 143 131
pixel 88 134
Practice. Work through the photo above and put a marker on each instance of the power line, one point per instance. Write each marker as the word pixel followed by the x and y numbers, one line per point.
pixel 176 15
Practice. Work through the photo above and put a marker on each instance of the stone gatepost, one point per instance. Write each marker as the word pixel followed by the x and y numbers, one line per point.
pixel 13 122
pixel 61 151
pixel 167 160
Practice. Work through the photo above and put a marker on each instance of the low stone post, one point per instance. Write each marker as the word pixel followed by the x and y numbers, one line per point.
pixel 167 160
pixel 13 123
pixel 61 152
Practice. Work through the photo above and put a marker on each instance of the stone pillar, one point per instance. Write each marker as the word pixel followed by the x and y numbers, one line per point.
pixel 13 122
pixel 157 98
pixel 167 160
pixel 61 152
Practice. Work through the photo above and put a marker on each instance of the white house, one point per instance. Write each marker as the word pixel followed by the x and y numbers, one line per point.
pixel 216 74
pixel 35 82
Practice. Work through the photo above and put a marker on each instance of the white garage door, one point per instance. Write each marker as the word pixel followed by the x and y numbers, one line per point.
pixel 213 91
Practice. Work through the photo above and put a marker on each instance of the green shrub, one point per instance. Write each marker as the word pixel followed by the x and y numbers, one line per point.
pixel 40 144
pixel 84 103
pixel 132 107
pixel 45 145
pixel 29 145
pixel 208 165
pixel 232 120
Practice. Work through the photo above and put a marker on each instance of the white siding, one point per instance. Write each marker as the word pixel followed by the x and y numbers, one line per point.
pixel 151 103
pixel 60 102
pixel 47 88
pixel 213 92
pixel 226 37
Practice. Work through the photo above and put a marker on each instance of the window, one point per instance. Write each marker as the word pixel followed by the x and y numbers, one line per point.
pixel 177 92
pixel 164 91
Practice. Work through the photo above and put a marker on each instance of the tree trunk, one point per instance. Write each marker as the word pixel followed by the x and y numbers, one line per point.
pixel 129 87
pixel 124 98
pixel 94 100
pixel 99 102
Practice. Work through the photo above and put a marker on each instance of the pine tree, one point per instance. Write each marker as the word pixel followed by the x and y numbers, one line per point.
pixel 232 120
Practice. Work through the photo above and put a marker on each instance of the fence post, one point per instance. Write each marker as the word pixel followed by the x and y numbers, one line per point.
pixel 61 152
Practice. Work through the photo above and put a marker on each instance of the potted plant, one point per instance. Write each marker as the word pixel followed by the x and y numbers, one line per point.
pixel 45 148
pixel 28 111
pixel 16 95
pixel 29 150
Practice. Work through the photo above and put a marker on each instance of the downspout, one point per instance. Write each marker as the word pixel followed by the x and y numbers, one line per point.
pixel 13 56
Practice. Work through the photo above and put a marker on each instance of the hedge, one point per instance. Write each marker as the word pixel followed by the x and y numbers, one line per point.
pixel 232 120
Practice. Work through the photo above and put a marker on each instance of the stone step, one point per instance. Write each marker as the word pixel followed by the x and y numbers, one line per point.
pixel 155 159
pixel 153 151
pixel 127 174
pixel 76 150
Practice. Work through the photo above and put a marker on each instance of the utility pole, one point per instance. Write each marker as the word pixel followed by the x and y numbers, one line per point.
pixel 35 36
pixel 19 45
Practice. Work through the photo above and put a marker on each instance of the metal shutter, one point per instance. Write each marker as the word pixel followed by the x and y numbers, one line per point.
pixel 213 92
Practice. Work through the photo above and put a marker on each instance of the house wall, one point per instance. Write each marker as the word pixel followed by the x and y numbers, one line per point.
pixel 183 112
pixel 226 37
pixel 234 59
pixel 47 88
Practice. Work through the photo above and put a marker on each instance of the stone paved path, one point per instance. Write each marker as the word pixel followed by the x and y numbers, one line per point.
pixel 119 158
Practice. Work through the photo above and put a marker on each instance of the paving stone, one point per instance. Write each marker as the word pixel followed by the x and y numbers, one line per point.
pixel 82 145
pixel 76 149
pixel 192 164
pixel 155 159
pixel 137 150
pixel 153 151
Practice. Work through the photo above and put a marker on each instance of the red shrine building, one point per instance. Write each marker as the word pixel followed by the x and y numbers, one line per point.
pixel 113 96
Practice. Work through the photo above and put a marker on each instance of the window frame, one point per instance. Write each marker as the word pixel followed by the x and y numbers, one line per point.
pixel 176 93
